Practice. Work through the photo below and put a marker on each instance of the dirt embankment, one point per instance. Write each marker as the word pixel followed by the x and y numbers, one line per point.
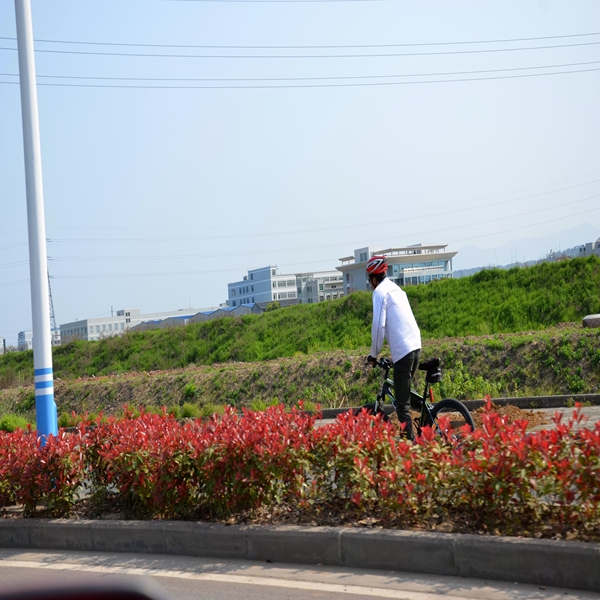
pixel 561 360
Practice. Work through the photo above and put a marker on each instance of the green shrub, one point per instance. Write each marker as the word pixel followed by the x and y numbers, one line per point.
pixel 190 411
pixel 190 391
pixel 10 423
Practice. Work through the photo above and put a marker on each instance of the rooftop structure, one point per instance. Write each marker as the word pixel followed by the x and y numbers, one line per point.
pixel 407 265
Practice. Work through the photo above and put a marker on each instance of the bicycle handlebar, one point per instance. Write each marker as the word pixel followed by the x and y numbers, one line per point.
pixel 384 363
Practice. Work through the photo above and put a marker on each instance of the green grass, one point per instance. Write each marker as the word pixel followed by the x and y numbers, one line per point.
pixel 491 302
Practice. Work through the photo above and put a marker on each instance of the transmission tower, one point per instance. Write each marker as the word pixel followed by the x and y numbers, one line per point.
pixel 52 317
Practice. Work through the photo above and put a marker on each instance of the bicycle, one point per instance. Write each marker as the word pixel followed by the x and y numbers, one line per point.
pixel 429 409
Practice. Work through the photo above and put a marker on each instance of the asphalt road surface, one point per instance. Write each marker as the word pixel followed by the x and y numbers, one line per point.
pixel 187 578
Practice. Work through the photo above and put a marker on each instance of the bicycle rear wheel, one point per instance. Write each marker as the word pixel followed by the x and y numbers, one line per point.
pixel 454 410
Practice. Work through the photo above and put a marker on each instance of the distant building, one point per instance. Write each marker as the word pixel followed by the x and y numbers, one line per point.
pixel 265 285
pixel 410 265
pixel 577 252
pixel 122 321
pixel 2 345
pixel 319 287
pixel 262 286
pixel 25 339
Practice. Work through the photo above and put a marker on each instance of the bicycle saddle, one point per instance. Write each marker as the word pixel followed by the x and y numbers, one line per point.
pixel 429 365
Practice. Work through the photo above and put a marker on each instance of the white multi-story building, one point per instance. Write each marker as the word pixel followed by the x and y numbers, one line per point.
pixel 410 265
pixel 262 286
pixel 122 321
pixel 319 287
pixel 25 339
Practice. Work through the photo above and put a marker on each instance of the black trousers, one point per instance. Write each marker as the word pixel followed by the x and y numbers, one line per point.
pixel 404 370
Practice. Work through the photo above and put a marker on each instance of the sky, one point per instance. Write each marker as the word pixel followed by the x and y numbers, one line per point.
pixel 185 142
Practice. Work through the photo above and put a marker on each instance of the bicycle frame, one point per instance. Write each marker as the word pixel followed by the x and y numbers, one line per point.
pixel 425 401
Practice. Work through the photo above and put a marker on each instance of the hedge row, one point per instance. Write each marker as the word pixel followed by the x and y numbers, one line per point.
pixel 499 478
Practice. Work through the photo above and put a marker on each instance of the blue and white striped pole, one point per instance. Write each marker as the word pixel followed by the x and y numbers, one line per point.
pixel 45 407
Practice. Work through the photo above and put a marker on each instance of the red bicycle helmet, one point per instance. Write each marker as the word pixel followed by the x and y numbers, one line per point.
pixel 377 264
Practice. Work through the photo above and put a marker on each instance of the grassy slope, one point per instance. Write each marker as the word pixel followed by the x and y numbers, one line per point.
pixel 562 360
pixel 493 301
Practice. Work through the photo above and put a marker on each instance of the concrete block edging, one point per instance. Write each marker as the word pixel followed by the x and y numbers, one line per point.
pixel 574 565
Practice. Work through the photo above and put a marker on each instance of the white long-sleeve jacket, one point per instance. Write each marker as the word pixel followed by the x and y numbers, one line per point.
pixel 393 320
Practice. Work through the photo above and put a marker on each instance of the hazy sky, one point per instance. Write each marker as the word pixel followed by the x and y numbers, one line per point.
pixel 363 122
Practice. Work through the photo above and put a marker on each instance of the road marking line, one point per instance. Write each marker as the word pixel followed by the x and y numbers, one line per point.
pixel 239 579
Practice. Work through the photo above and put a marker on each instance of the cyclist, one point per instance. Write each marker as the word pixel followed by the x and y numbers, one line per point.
pixel 393 320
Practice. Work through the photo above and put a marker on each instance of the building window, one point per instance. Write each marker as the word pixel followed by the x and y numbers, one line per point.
pixel 233 292
pixel 110 326
pixel 252 277
pixel 274 284
pixel 252 288
pixel 273 272
pixel 347 276
pixel 252 299
pixel 290 283
pixel 127 314
pixel 320 287
pixel 103 327
pixel 127 320
pixel 122 326
pixel 233 303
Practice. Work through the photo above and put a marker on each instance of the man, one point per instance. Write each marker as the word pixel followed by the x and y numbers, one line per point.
pixel 393 320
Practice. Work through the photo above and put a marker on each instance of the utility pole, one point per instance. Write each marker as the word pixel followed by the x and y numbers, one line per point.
pixel 45 407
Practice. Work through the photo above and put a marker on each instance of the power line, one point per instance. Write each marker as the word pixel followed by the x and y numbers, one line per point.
pixel 332 77
pixel 14 264
pixel 320 56
pixel 247 252
pixel 324 229
pixel 341 217
pixel 162 274
pixel 315 85
pixel 313 47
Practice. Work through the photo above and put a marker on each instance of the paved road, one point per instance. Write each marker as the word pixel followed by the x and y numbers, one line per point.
pixel 591 414
pixel 187 578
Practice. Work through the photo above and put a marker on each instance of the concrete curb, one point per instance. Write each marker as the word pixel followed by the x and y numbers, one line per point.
pixel 573 565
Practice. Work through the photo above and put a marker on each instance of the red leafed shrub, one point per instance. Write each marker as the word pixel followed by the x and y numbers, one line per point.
pixel 499 478
pixel 257 459
pixel 150 461
pixel 42 476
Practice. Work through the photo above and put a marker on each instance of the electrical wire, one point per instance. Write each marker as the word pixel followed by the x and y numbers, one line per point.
pixel 325 229
pixel 320 56
pixel 361 216
pixel 331 77
pixel 14 264
pixel 262 251
pixel 171 273
pixel 316 85
pixel 311 47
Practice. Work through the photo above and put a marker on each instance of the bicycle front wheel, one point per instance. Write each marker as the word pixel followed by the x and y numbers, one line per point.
pixel 454 410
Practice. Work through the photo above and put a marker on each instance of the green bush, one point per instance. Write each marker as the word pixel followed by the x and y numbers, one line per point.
pixel 190 411
pixel 10 423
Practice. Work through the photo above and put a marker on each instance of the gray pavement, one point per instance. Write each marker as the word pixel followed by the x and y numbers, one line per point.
pixel 573 565
pixel 184 578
